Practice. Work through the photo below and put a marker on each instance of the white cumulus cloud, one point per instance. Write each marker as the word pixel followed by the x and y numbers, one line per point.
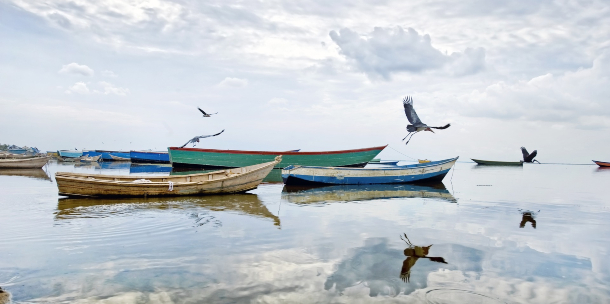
pixel 79 87
pixel 385 51
pixel 107 73
pixel 233 82
pixel 76 69
pixel 109 88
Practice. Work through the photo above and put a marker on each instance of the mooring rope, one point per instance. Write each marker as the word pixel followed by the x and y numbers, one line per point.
pixel 401 153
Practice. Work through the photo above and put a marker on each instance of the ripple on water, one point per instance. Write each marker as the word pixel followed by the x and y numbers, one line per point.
pixel 452 295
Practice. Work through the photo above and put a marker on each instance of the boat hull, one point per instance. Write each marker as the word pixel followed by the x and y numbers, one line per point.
pixel 149 157
pixel 304 175
pixel 219 182
pixel 70 154
pixel 36 162
pixel 496 163
pixel 602 164
pixel 210 158
pixel 106 155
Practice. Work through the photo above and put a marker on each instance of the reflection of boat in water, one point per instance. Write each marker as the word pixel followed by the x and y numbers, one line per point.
pixel 115 165
pixel 149 168
pixel 36 173
pixel 275 176
pixel 342 193
pixel 247 204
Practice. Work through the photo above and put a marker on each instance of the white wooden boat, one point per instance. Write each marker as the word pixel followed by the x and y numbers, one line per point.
pixel 33 162
pixel 118 158
pixel 88 159
pixel 235 180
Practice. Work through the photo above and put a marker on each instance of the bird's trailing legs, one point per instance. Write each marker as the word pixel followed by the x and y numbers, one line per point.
pixel 410 133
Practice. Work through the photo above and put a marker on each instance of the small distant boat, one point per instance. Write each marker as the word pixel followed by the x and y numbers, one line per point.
pixel 52 153
pixel 423 161
pixel 309 175
pixel 106 154
pixel 118 158
pixel 70 153
pixel 31 162
pixel 236 180
pixel 149 157
pixel 17 150
pixel 385 162
pixel 602 164
pixel 88 159
pixel 497 163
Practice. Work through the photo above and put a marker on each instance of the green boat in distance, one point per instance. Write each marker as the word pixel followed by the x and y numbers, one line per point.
pixel 211 158
pixel 497 163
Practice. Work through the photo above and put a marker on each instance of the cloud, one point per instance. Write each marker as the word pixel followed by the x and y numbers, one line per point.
pixel 386 51
pixel 233 82
pixel 76 69
pixel 79 87
pixel 107 73
pixel 578 98
pixel 277 101
pixel 111 89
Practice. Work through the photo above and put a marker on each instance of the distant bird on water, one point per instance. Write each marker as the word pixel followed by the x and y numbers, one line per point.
pixel 527 157
pixel 416 124
pixel 196 138
pixel 204 113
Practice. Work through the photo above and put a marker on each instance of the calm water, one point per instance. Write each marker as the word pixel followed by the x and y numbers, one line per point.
pixel 537 234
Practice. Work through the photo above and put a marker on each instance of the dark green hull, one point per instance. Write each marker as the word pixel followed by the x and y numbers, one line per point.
pixel 210 158
pixel 496 163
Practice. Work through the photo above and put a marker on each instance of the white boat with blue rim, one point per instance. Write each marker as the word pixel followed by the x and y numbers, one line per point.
pixel 312 175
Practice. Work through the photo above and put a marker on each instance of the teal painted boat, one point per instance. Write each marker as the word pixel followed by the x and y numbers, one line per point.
pixel 211 158
pixel 497 163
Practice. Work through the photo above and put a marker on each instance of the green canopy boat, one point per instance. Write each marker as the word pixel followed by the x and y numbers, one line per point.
pixel 497 163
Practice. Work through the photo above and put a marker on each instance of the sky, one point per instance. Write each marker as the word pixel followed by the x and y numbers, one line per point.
pixel 311 75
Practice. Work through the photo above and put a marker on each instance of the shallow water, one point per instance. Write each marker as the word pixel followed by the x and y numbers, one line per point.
pixel 337 245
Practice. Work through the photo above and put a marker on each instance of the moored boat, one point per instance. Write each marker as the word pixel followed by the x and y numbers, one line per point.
pixel 88 159
pixel 235 180
pixel 106 155
pixel 496 163
pixel 305 175
pixel 118 158
pixel 31 162
pixel 602 164
pixel 211 158
pixel 70 153
pixel 149 157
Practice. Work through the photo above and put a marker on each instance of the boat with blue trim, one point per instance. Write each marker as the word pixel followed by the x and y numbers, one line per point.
pixel 106 154
pixel 70 153
pixel 149 157
pixel 310 175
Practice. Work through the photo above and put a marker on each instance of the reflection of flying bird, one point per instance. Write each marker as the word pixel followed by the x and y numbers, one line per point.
pixel 204 113
pixel 528 216
pixel 527 157
pixel 416 124
pixel 413 254
pixel 196 138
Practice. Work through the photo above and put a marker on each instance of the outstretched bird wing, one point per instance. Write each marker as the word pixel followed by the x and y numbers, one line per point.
pixel 443 127
pixel 196 138
pixel 525 153
pixel 202 111
pixel 407 103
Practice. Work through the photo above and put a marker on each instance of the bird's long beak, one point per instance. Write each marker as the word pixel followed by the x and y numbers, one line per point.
pixel 429 130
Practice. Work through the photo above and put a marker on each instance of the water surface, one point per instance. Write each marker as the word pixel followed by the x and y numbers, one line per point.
pixel 536 234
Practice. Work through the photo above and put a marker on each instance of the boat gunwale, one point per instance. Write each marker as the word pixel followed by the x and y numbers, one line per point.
pixel 10 160
pixel 283 153
pixel 604 164
pixel 83 177
pixel 149 152
pixel 395 168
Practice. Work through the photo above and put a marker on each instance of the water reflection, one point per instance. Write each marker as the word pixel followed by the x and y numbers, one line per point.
pixel 343 193
pixel 31 173
pixel 414 253
pixel 528 216
pixel 376 266
pixel 149 168
pixel 245 204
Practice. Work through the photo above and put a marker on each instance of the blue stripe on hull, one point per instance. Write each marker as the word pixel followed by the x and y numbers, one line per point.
pixel 294 179
pixel 106 154
pixel 91 153
pixel 146 157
